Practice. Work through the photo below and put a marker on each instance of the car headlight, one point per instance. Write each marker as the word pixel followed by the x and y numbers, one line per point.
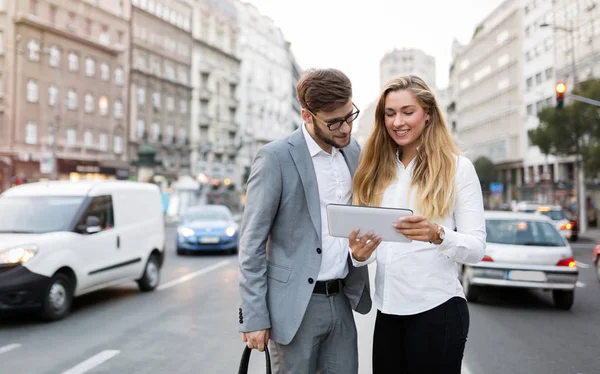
pixel 230 231
pixel 186 232
pixel 18 255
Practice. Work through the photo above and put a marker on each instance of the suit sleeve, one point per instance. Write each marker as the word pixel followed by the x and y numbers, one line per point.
pixel 262 202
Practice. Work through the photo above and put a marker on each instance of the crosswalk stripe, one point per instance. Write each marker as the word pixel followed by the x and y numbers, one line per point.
pixel 8 348
pixel 580 284
pixel 92 362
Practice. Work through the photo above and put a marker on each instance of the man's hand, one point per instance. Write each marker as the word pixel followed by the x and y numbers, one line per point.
pixel 256 339
pixel 417 228
pixel 363 248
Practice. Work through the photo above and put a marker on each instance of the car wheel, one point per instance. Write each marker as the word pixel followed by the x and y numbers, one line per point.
pixel 574 238
pixel 149 281
pixel 471 292
pixel 597 266
pixel 563 299
pixel 180 252
pixel 233 251
pixel 57 298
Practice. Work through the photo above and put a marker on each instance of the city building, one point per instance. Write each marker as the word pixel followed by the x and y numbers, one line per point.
pixel 160 85
pixel 216 97
pixel 486 108
pixel 266 78
pixel 64 70
pixel 296 110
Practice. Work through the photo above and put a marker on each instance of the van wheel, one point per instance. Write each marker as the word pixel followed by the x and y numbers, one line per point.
pixel 149 281
pixel 58 298
pixel 563 299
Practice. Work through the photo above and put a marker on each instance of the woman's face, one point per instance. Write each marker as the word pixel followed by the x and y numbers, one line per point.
pixel 404 118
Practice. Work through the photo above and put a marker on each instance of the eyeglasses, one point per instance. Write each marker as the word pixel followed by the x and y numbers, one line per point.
pixel 332 126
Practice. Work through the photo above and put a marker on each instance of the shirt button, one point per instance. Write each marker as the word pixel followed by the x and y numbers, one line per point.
pixel 310 280
pixel 319 250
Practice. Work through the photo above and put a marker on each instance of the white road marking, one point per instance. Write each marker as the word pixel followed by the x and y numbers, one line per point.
pixel 582 265
pixel 8 348
pixel 465 369
pixel 92 362
pixel 580 284
pixel 193 275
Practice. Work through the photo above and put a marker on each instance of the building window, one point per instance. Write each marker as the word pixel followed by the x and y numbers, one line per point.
pixel 156 100
pixel 104 36
pixel 104 72
pixel 118 144
pixel 182 135
pixel 549 73
pixel 119 79
pixel 538 78
pixel 170 103
pixel 73 61
pixel 170 72
pixel 120 37
pixel 529 83
pixel 151 6
pixel 31 133
pixel 90 67
pixel 33 93
pixel 183 106
pixel 54 60
pixel 183 76
pixel 118 109
pixel 52 14
pixel 72 99
pixel 170 132
pixel 33 6
pixel 71 137
pixel 52 95
pixel 140 129
pixel 103 105
pixel 530 110
pixel 34 50
pixel 88 139
pixel 155 128
pixel 71 21
pixel 89 103
pixel 88 26
pixel 103 142
pixel 141 96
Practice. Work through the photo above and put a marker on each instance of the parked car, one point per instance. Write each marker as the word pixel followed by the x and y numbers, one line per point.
pixel 62 239
pixel 523 251
pixel 207 228
pixel 597 261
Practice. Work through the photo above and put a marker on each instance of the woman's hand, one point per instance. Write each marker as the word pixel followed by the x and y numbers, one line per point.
pixel 363 247
pixel 417 228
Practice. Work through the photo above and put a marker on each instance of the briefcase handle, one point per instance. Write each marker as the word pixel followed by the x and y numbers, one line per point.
pixel 246 360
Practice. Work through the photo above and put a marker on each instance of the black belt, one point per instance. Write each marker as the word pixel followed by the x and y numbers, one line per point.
pixel 330 287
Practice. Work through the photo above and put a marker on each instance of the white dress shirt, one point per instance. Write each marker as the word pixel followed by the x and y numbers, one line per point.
pixel 335 187
pixel 418 276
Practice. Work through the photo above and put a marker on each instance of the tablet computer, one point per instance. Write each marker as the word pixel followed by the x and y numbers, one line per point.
pixel 342 219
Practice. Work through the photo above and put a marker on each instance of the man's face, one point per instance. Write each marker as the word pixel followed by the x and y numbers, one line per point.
pixel 338 138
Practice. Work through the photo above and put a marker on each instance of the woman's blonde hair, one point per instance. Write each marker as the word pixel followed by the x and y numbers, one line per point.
pixel 435 164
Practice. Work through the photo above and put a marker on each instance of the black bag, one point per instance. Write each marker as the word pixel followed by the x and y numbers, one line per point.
pixel 246 360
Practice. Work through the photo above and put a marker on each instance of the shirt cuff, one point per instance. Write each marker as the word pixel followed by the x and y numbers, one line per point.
pixel 450 244
pixel 357 263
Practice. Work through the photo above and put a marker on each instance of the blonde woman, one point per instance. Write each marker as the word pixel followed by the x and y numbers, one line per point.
pixel 410 161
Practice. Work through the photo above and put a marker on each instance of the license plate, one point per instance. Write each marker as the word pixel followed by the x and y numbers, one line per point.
pixel 532 276
pixel 209 239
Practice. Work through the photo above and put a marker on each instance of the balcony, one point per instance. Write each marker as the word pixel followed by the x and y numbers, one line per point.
pixel 233 102
pixel 204 120
pixel 205 94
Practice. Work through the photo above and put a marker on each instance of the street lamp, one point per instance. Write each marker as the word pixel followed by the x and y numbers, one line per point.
pixel 581 200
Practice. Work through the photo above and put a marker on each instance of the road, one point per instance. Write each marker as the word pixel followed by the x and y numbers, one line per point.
pixel 189 326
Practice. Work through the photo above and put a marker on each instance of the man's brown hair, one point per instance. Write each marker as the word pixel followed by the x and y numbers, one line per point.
pixel 323 90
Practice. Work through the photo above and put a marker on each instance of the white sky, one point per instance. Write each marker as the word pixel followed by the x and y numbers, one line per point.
pixel 353 35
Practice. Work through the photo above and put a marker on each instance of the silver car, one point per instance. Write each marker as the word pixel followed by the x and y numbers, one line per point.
pixel 524 251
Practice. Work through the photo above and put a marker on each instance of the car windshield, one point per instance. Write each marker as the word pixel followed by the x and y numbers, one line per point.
pixel 37 214
pixel 523 232
pixel 555 215
pixel 207 214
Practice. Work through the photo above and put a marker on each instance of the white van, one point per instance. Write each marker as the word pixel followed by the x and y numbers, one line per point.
pixel 63 239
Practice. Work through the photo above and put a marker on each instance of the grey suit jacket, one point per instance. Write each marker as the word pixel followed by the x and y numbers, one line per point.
pixel 280 234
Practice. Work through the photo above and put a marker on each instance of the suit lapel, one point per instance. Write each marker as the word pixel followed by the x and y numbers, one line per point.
pixel 306 170
pixel 351 161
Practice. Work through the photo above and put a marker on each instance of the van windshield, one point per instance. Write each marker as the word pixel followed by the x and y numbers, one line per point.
pixel 37 214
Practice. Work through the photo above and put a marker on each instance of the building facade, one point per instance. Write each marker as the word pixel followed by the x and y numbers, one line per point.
pixel 266 78
pixel 216 97
pixel 160 85
pixel 487 106
pixel 63 90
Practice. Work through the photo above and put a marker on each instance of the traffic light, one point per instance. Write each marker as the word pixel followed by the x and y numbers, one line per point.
pixel 561 88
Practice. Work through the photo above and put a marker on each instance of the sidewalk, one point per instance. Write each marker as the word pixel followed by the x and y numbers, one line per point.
pixel 591 235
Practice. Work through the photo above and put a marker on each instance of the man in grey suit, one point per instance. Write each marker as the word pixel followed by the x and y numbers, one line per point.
pixel 297 284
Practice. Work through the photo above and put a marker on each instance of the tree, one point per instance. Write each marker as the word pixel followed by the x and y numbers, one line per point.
pixel 486 171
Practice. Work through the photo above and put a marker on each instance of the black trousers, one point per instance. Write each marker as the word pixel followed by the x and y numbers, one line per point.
pixel 430 342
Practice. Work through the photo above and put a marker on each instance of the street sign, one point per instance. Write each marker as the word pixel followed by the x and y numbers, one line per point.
pixel 46 163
